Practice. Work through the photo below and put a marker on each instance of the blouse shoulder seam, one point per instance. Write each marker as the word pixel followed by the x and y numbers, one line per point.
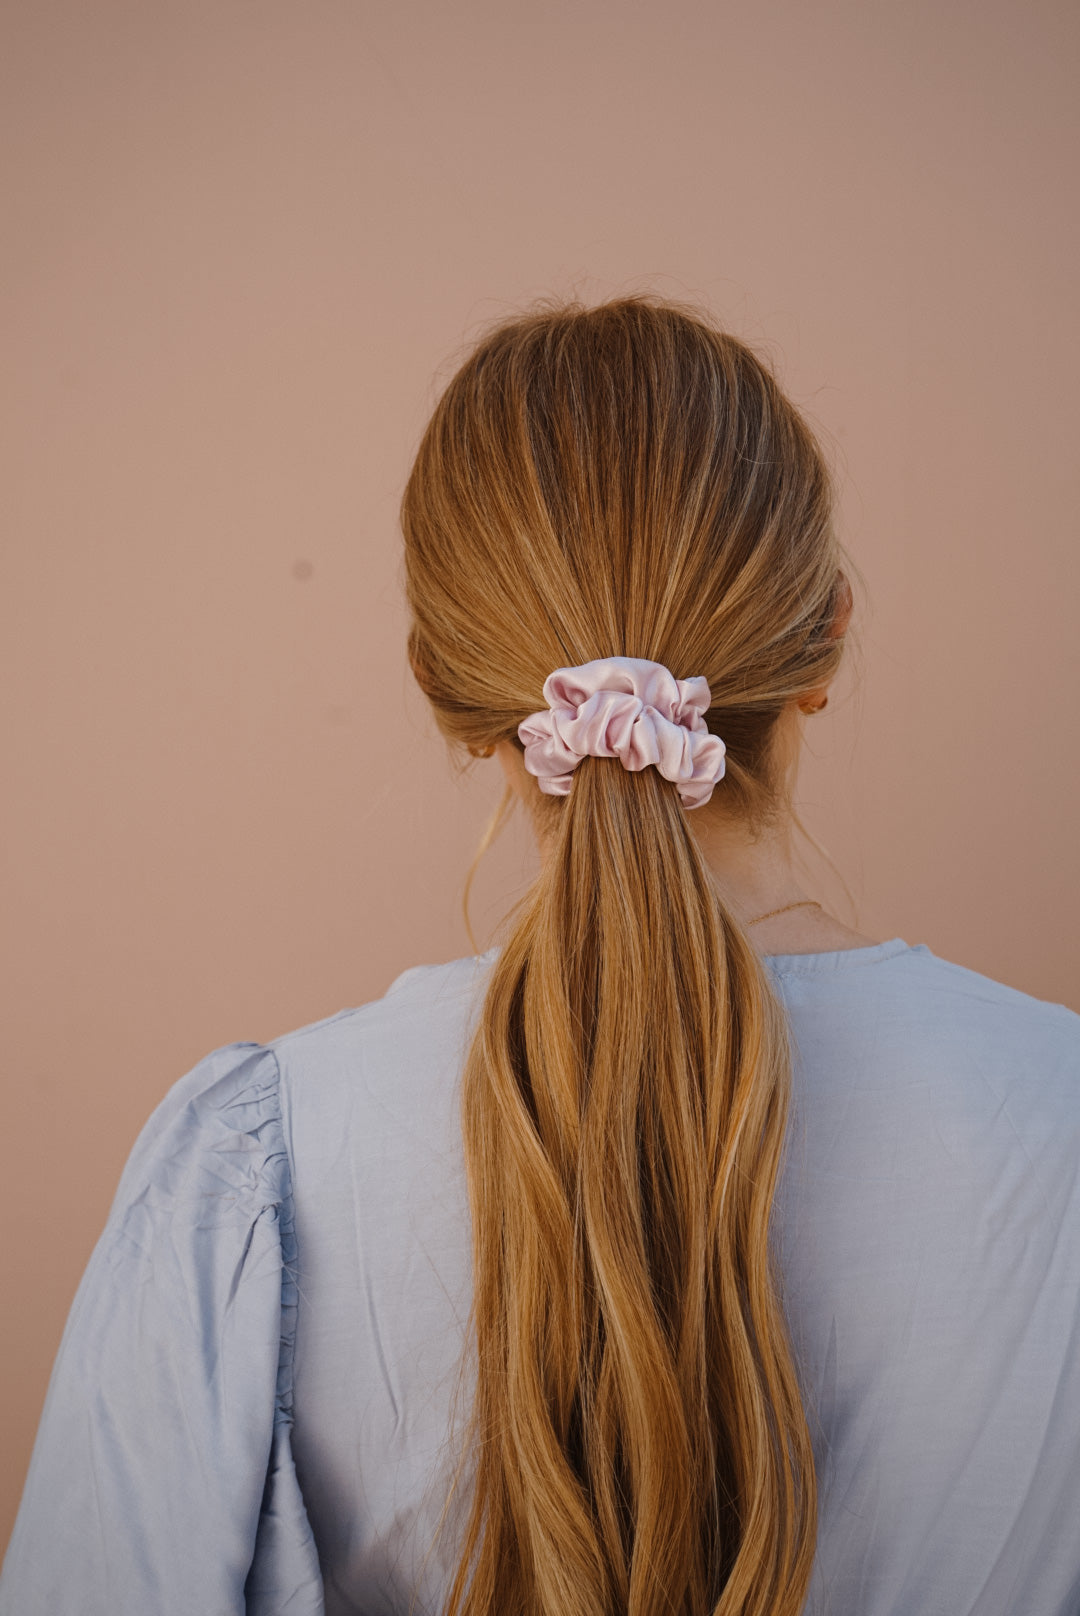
pixel 286 1220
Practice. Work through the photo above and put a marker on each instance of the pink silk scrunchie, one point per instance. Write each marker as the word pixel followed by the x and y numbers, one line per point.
pixel 629 708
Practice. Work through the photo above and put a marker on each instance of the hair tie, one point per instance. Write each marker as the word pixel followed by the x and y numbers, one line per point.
pixel 629 708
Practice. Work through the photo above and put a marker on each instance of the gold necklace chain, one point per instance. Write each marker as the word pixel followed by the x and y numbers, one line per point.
pixel 803 903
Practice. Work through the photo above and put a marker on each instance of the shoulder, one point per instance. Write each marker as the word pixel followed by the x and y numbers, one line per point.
pixel 902 1028
pixel 403 1041
pixel 899 990
pixel 370 1100
pixel 216 1134
pixel 433 989
pixel 219 1137
pixel 231 1102
pixel 956 1002
pixel 988 1057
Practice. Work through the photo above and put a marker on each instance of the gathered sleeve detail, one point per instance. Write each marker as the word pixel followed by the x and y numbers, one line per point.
pixel 162 1478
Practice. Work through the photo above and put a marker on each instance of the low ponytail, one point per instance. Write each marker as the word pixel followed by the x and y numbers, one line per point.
pixel 640 1441
pixel 638 1444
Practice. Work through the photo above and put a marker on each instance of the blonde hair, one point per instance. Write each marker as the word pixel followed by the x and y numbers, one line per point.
pixel 626 480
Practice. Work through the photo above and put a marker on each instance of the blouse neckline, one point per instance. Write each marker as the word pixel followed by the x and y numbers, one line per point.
pixel 826 963
pixel 841 959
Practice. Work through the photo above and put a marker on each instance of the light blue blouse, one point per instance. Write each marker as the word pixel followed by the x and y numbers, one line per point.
pixel 253 1406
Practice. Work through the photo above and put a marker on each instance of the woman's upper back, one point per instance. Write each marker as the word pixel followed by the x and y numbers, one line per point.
pixel 283 1289
pixel 928 1233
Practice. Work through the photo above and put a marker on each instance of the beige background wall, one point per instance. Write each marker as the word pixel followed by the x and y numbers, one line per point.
pixel 241 241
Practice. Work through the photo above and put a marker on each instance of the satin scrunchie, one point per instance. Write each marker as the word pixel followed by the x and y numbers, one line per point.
pixel 629 708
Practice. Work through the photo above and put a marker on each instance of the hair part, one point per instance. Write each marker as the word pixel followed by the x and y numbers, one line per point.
pixel 626 480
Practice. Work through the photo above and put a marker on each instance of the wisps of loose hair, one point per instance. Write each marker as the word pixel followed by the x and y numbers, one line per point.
pixel 626 480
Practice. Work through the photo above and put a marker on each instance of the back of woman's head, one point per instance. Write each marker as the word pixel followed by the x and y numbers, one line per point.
pixel 626 481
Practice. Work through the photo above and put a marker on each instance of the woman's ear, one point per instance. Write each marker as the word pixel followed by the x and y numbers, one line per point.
pixel 815 700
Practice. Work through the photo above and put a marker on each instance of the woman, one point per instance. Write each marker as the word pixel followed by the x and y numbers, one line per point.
pixel 688 1252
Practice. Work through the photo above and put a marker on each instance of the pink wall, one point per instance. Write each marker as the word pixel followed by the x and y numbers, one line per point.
pixel 241 241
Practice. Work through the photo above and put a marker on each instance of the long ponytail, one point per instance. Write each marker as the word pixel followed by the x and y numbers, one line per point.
pixel 625 480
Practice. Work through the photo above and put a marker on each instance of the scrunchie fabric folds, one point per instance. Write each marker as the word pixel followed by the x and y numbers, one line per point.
pixel 629 708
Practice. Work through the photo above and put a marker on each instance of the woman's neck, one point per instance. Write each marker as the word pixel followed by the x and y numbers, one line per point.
pixel 755 874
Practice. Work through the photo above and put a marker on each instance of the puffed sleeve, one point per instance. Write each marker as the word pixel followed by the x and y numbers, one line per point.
pixel 162 1478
